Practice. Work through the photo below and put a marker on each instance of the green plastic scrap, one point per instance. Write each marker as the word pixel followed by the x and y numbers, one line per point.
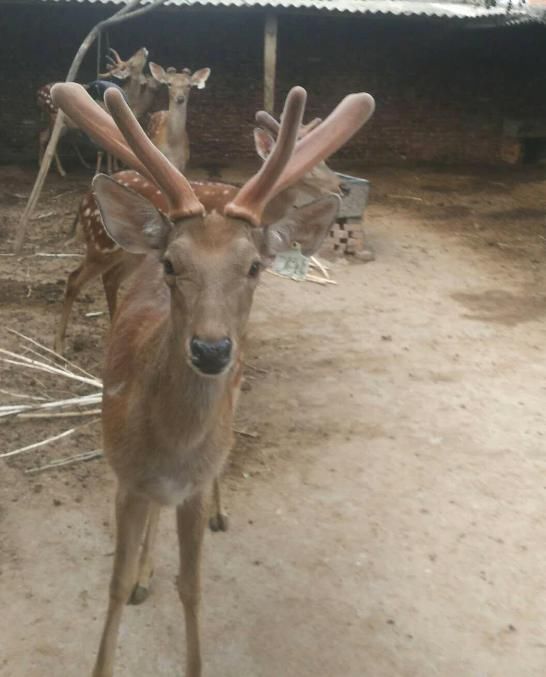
pixel 292 263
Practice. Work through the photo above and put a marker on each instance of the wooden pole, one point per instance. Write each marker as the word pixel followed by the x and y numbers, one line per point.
pixel 128 11
pixel 270 61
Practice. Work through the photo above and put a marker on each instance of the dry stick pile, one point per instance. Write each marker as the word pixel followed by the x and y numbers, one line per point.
pixel 37 357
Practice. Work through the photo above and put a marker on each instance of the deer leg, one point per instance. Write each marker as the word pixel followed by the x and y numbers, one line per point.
pixel 131 515
pixel 218 520
pixel 43 141
pixel 60 168
pixel 100 155
pixel 43 138
pixel 76 281
pixel 80 156
pixel 145 565
pixel 111 280
pixel 191 518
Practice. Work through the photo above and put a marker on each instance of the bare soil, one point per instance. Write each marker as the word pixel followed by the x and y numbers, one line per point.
pixel 387 521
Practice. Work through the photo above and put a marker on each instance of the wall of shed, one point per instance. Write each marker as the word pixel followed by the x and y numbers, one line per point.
pixel 443 95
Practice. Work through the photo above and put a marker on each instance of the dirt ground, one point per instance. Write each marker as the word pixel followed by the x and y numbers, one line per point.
pixel 387 521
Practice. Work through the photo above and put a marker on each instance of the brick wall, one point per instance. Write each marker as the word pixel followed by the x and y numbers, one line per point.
pixel 443 94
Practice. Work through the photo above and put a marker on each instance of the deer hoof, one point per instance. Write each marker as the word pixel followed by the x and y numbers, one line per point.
pixel 219 522
pixel 139 594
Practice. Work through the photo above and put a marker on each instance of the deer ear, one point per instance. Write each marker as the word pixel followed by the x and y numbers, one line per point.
pixel 199 78
pixel 121 73
pixel 264 142
pixel 130 219
pixel 307 225
pixel 158 72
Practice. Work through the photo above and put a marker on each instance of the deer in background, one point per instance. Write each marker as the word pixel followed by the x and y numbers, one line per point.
pixel 141 91
pixel 167 129
pixel 173 365
pixel 319 180
pixel 103 257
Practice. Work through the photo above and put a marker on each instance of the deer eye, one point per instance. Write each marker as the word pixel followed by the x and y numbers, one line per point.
pixel 168 267
pixel 254 269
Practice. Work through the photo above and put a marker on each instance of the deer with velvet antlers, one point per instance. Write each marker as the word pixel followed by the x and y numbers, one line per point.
pixel 173 364
pixel 104 257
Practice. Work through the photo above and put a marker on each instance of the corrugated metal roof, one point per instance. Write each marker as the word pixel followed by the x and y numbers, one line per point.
pixel 426 8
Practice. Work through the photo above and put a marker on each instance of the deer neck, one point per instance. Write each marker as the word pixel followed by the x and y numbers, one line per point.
pixel 133 90
pixel 190 404
pixel 176 121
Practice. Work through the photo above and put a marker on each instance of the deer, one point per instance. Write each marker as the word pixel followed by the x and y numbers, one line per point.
pixel 103 257
pixel 167 129
pixel 140 88
pixel 141 92
pixel 172 368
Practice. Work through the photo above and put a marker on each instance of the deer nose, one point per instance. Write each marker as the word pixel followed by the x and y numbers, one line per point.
pixel 180 99
pixel 210 357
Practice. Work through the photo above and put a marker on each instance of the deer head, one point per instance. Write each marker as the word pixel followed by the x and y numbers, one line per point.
pixel 120 69
pixel 211 262
pixel 179 83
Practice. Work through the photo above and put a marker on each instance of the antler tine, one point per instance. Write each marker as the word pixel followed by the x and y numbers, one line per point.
pixel 305 129
pixel 255 194
pixel 116 54
pixel 73 100
pixel 268 122
pixel 344 121
pixel 176 187
pixel 112 63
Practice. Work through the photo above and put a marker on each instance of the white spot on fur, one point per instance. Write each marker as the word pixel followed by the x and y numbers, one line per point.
pixel 87 212
pixel 149 228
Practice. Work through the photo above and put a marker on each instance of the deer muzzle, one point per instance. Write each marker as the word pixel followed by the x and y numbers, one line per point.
pixel 210 357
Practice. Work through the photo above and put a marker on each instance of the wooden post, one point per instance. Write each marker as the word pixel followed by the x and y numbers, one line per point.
pixel 270 61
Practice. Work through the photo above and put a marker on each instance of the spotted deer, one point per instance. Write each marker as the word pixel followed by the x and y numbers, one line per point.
pixel 103 257
pixel 173 364
pixel 167 128
pixel 141 91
